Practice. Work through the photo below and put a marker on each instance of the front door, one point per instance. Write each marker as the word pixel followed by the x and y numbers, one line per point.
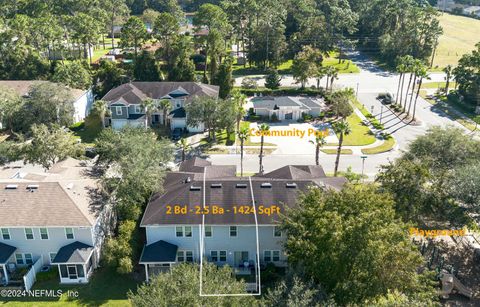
pixel 240 258
pixel 72 272
pixel 288 116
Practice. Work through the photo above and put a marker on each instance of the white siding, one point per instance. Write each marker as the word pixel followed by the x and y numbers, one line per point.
pixel 38 247
pixel 83 106
pixel 220 240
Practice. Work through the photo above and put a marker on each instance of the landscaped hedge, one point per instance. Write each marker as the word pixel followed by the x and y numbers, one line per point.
pixel 282 92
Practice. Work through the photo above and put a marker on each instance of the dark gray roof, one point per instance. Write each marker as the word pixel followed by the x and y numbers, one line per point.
pixel 136 92
pixel 160 251
pixel 271 102
pixel 178 113
pixel 311 103
pixel 225 190
pixel 5 252
pixel 76 252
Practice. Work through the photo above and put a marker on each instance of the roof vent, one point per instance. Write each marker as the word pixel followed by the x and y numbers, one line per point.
pixel 292 185
pixel 241 185
pixel 188 179
pixel 70 186
pixel 32 187
pixel 216 185
pixel 11 187
pixel 194 188
pixel 266 185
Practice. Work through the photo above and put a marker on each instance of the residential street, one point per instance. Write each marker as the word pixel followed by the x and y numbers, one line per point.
pixel 371 80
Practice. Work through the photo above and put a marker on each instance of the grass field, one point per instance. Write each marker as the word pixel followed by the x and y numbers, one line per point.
pixel 386 146
pixel 460 34
pixel 334 151
pixel 360 134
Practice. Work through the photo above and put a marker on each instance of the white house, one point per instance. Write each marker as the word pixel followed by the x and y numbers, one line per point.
pixel 51 217
pixel 287 108
pixel 82 99
pixel 213 196
pixel 125 103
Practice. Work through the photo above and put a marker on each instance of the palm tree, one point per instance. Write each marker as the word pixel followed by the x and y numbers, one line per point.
pixel 239 100
pixel 448 71
pixel 149 107
pixel 242 135
pixel 100 108
pixel 319 74
pixel 319 142
pixel 401 70
pixel 422 74
pixel 184 147
pixel 333 76
pixel 417 67
pixel 409 63
pixel 165 106
pixel 263 128
pixel 341 128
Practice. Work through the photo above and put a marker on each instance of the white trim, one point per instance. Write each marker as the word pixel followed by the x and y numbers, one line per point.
pixel 117 108
pixel 73 233
pixel 50 257
pixel 138 109
pixel 40 231
pixel 281 233
pixel 8 234
pixel 230 231
pixel 211 231
pixel 25 231
pixel 175 229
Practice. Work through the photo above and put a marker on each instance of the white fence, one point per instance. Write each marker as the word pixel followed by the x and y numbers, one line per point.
pixel 30 278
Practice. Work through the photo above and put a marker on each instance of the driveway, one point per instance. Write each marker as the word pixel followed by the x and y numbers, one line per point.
pixel 293 145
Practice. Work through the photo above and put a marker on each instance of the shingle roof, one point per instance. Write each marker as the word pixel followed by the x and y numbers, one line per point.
pixel 76 252
pixel 22 87
pixel 47 205
pixel 5 252
pixel 271 102
pixel 159 251
pixel 135 92
pixel 296 172
pixel 195 164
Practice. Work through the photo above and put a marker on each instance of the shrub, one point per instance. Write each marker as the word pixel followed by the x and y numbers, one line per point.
pixel 272 80
pixel 274 118
pixel 282 92
pixel 249 83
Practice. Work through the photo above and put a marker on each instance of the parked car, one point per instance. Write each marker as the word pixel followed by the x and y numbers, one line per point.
pixel 385 98
pixel 176 134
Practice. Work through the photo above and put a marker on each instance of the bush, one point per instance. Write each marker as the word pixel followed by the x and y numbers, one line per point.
pixel 272 80
pixel 270 275
pixel 274 118
pixel 249 83
pixel 46 276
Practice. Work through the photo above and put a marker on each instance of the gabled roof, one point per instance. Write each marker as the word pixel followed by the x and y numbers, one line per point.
pixel 76 252
pixel 22 87
pixel 296 172
pixel 195 165
pixel 6 251
pixel 160 251
pixel 135 92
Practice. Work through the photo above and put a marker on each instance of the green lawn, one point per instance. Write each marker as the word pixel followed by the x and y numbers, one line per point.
pixel 87 133
pixel 285 68
pixel 360 135
pixel 221 139
pixel 438 85
pixel 106 288
pixel 460 34
pixel 386 146
pixel 334 151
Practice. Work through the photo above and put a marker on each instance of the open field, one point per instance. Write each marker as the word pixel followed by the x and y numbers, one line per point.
pixel 460 34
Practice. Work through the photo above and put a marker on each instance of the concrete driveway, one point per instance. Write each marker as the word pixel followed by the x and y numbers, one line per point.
pixel 294 145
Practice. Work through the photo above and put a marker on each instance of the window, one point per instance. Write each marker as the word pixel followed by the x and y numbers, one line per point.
pixel 69 233
pixel 19 258
pixel 180 256
pixel 214 256
pixel 189 256
pixel 188 231
pixel 138 109
pixel 276 231
pixel 223 255
pixel 183 256
pixel 118 110
pixel 52 256
pixel 29 233
pixel 276 255
pixel 43 233
pixel 267 256
pixel 5 233
pixel 179 231
pixel 208 231
pixel 28 258
pixel 233 231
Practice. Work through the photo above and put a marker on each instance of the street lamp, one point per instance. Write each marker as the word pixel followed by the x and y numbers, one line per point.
pixel 381 113
pixel 356 93
pixel 363 164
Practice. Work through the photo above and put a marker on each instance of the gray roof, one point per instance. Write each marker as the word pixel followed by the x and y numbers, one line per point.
pixel 311 103
pixel 195 164
pixel 5 252
pixel 22 87
pixel 136 92
pixel 159 251
pixel 76 252
pixel 271 102
pixel 187 189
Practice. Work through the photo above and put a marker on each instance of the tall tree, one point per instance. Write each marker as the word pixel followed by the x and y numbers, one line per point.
pixel 305 65
pixel 145 67
pixel 319 142
pixel 242 135
pixel 204 110
pixel 448 75
pixel 467 76
pixel 134 34
pixel 263 128
pixel 341 128
pixel 184 147
pixel 224 79
pixel 10 105
pixel 116 11
pixel 272 80
pixel 422 74
pixel 74 74
pixel 165 30
pixel 355 264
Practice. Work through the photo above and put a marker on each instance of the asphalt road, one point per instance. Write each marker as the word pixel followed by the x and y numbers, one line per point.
pixel 369 82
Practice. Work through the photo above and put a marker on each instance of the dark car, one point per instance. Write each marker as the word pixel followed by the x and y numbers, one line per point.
pixel 385 98
pixel 176 134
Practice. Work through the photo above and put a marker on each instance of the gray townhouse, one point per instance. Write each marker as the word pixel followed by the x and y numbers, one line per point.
pixel 125 103
pixel 51 217
pixel 193 197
